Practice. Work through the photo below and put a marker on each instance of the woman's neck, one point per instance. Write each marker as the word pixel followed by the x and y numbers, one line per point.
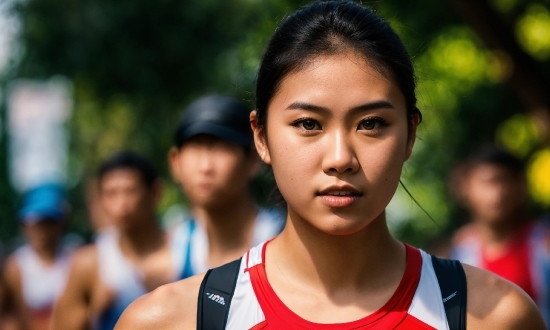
pixel 366 260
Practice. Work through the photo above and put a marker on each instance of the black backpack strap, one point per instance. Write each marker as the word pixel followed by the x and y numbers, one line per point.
pixel 215 295
pixel 452 282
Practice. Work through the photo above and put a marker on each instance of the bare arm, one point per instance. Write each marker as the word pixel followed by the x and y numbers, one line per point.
pixel 495 303
pixel 72 309
pixel 11 302
pixel 171 306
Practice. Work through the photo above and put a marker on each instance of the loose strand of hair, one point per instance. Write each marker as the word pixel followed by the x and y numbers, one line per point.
pixel 417 203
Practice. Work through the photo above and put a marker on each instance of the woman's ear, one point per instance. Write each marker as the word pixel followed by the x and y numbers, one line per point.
pixel 259 139
pixel 412 135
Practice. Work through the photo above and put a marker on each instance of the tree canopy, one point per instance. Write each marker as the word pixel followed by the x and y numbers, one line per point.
pixel 135 64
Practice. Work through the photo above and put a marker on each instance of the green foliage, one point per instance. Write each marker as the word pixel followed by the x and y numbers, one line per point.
pixel 135 64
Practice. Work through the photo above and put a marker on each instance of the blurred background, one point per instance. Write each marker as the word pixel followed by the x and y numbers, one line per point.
pixel 82 79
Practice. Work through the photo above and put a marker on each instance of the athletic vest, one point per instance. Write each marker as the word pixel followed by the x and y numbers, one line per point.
pixel 42 284
pixel 526 261
pixel 432 293
pixel 122 277
pixel 192 237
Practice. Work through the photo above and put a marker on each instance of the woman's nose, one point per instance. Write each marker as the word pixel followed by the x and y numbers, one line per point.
pixel 339 156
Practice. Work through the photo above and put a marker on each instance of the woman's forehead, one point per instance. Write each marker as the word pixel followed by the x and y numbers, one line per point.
pixel 335 81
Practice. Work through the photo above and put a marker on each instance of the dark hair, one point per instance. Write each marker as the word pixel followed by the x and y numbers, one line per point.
pixel 491 154
pixel 129 160
pixel 332 27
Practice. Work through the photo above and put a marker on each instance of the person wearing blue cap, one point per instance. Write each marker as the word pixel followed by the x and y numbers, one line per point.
pixel 36 273
pixel 214 160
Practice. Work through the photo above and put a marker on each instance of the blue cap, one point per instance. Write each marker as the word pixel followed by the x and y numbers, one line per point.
pixel 220 116
pixel 47 201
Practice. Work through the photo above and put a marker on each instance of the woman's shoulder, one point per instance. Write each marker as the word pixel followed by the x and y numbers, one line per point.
pixel 495 303
pixel 170 306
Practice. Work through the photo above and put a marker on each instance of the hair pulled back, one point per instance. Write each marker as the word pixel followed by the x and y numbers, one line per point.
pixel 327 28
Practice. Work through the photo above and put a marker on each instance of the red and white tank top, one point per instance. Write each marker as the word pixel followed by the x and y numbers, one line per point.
pixel 416 303
pixel 525 260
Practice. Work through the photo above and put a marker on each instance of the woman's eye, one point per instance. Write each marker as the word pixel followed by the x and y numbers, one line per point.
pixel 371 124
pixel 308 125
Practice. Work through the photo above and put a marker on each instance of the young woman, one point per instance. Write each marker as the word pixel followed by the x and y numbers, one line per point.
pixel 336 119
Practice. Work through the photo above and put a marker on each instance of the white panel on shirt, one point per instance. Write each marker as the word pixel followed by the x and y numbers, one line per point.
pixel 427 304
pixel 245 311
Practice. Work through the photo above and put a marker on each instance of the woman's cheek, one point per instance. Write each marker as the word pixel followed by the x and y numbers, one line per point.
pixel 293 166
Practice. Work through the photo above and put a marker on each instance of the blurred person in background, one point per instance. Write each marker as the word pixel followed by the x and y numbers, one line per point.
pixel 35 274
pixel 96 214
pixel 501 236
pixel 214 160
pixel 129 258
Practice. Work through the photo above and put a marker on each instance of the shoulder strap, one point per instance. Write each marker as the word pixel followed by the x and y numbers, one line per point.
pixel 215 295
pixel 452 282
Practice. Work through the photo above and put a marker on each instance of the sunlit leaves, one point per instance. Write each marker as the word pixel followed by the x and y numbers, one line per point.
pixel 538 176
pixel 99 129
pixel 459 58
pixel 504 5
pixel 533 31
pixel 519 134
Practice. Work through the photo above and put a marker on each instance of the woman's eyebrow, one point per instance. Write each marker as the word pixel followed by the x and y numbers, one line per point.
pixel 360 108
pixel 372 106
pixel 307 106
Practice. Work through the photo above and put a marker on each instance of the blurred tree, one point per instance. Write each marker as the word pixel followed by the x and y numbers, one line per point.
pixel 525 76
pixel 135 64
pixel 7 194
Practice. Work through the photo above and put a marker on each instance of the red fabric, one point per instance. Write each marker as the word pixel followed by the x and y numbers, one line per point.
pixel 393 315
pixel 514 263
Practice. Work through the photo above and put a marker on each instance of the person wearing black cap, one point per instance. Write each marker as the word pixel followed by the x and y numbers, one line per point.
pixel 214 160
pixel 36 273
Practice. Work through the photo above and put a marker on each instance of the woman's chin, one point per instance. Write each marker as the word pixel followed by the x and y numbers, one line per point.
pixel 341 226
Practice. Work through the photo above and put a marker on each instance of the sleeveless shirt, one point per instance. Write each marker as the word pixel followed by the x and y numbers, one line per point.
pixel 41 284
pixel 122 277
pixel 525 261
pixel 416 303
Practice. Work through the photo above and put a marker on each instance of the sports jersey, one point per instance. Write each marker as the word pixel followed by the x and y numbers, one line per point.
pixel 42 284
pixel 416 303
pixel 524 261
pixel 122 277
pixel 192 236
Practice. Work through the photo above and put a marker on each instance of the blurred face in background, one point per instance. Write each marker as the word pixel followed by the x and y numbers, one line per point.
pixel 126 199
pixel 43 234
pixel 493 192
pixel 212 171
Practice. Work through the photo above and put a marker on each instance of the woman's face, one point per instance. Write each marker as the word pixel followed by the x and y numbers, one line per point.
pixel 336 138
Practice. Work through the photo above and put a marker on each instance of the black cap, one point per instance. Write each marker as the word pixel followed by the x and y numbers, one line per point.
pixel 220 116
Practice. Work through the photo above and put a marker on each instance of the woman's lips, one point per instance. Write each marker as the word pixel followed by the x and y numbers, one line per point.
pixel 339 198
